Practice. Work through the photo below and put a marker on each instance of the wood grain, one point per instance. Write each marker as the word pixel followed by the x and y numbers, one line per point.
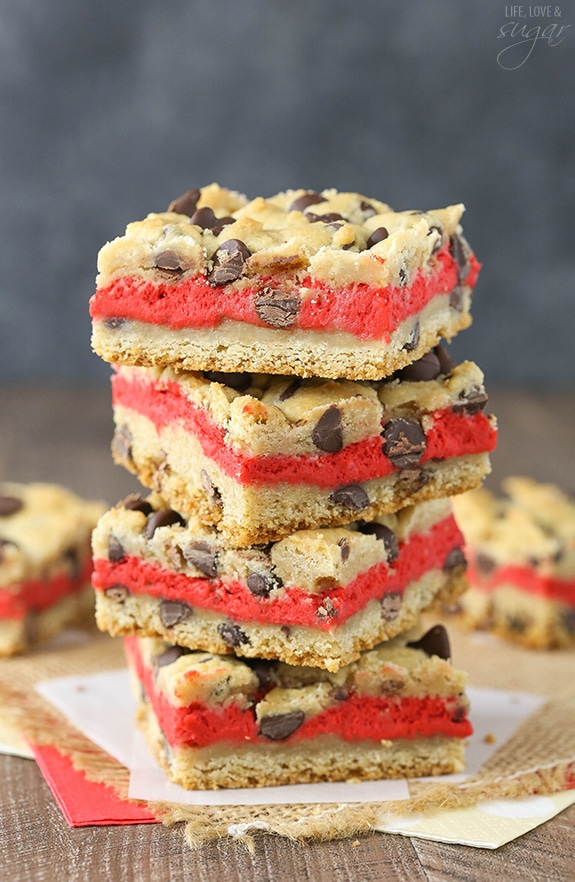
pixel 64 435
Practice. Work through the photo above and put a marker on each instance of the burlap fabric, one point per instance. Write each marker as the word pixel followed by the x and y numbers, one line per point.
pixel 538 759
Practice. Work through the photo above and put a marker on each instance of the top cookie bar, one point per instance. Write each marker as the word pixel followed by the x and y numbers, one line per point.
pixel 313 284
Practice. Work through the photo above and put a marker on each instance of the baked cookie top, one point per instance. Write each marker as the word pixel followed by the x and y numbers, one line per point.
pixel 40 525
pixel 337 238
pixel 397 668
pixel 313 560
pixel 533 524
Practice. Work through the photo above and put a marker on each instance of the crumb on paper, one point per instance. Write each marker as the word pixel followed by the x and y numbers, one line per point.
pixel 355 844
pixel 490 738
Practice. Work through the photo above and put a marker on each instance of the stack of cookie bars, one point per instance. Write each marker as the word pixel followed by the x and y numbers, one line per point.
pixel 281 388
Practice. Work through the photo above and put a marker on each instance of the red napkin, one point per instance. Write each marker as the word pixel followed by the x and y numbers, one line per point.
pixel 84 803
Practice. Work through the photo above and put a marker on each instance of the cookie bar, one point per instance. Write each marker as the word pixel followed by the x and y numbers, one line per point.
pixel 311 284
pixel 317 597
pixel 217 721
pixel 272 455
pixel 521 549
pixel 45 562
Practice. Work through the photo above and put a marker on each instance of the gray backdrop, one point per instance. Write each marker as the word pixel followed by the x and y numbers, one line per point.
pixel 110 109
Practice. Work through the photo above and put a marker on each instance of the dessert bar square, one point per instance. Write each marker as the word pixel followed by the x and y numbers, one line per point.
pixel 317 597
pixel 45 562
pixel 262 456
pixel 217 721
pixel 311 284
pixel 521 548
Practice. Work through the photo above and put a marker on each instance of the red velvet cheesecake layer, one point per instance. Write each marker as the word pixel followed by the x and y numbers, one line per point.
pixel 452 434
pixel 38 594
pixel 357 718
pixel 359 309
pixel 421 553
pixel 526 579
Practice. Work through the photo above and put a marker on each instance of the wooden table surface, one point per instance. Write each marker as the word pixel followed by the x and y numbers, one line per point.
pixel 63 435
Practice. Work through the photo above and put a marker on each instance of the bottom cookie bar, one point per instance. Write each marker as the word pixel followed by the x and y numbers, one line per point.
pixel 45 562
pixel 213 721
pixel 521 551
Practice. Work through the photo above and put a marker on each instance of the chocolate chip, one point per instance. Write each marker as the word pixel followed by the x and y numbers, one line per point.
pixel 239 382
pixel 291 389
pixel 568 620
pixel 185 204
pixel 457 299
pixel 455 560
pixel 404 441
pixel 367 208
pixel 446 362
pixel 413 341
pixel 275 308
pixel 164 517
pixel 4 543
pixel 391 605
pixel 232 634
pixel 378 235
pixel 212 492
pixel 425 368
pixel 485 563
pixel 222 222
pixel 344 549
pixel 118 593
pixel 413 480
pixel 228 262
pixel 471 401
pixel 438 244
pixel 330 217
pixel 122 443
pixel 385 534
pixel 72 557
pixel 114 322
pixel 169 656
pixel 116 551
pixel 169 261
pixel 327 434
pixel 9 505
pixel 517 623
pixel 204 218
pixel 461 253
pixel 402 277
pixel 434 642
pixel 172 612
pixel 263 669
pixel 203 557
pixel 281 726
pixel 340 693
pixel 262 583
pixel 350 496
pixel 309 198
pixel 327 610
pixel 134 502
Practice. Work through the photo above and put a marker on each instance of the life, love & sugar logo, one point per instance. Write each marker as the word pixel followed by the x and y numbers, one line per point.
pixel 525 27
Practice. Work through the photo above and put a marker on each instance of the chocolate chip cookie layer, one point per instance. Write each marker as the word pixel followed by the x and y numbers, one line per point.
pixel 317 597
pixel 311 284
pixel 45 562
pixel 276 454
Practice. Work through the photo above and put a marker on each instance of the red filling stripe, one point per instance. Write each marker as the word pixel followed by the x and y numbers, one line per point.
pixel 525 579
pixel 38 594
pixel 357 718
pixel 360 309
pixel 421 553
pixel 451 435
